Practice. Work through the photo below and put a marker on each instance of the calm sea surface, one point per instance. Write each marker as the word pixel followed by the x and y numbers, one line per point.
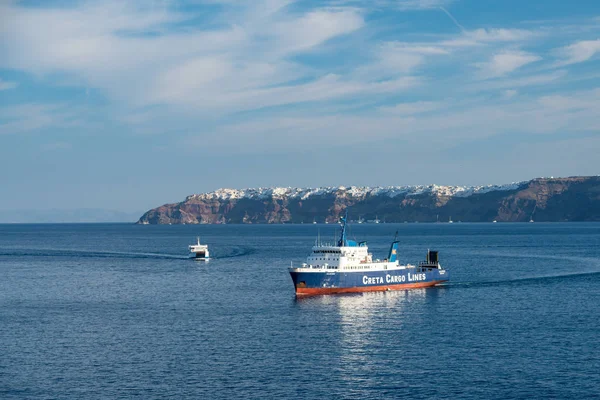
pixel 119 311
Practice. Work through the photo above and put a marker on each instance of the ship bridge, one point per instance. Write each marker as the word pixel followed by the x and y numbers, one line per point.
pixel 347 254
pixel 336 256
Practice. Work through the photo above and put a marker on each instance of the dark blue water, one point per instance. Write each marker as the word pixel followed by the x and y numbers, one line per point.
pixel 118 311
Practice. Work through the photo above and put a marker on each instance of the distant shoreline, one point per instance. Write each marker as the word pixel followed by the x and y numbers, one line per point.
pixel 293 223
pixel 571 199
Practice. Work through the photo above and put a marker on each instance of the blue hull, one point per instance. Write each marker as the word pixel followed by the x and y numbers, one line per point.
pixel 328 282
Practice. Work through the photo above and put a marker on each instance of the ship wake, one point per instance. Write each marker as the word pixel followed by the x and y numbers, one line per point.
pixel 522 281
pixel 68 253
pixel 64 253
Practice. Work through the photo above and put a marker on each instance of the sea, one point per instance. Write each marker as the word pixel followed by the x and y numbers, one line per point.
pixel 119 311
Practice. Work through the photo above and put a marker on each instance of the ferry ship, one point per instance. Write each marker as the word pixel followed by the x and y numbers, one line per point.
pixel 348 267
pixel 200 251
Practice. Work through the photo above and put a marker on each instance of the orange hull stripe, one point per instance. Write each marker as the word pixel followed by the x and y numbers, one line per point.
pixel 383 288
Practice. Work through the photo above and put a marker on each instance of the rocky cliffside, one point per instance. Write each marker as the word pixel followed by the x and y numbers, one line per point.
pixel 543 199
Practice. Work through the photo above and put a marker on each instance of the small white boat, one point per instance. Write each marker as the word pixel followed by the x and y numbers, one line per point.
pixel 200 251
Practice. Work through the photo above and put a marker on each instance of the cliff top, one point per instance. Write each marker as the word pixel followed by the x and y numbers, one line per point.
pixel 353 191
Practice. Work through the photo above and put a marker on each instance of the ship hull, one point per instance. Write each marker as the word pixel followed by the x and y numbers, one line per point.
pixel 317 282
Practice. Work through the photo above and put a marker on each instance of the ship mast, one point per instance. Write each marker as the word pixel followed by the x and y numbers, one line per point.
pixel 342 241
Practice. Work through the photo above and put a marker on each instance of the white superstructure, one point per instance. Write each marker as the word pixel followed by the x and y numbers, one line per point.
pixel 348 255
pixel 347 258
pixel 200 250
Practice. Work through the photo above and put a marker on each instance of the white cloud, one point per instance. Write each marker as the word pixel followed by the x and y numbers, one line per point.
pixel 505 83
pixel 505 62
pixel 501 35
pixel 158 70
pixel 579 101
pixel 139 56
pixel 403 5
pixel 479 37
pixel 315 28
pixel 108 46
pixel 580 51
pixel 576 112
pixel 391 59
pixel 413 108
pixel 5 85
pixel 23 118
pixel 16 119
pixel 326 88
pixel 421 4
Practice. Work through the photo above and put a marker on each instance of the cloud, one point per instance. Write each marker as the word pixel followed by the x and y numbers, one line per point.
pixel 163 71
pixel 421 4
pixel 249 58
pixel 505 62
pixel 392 59
pixel 138 55
pixel 580 101
pixel 326 88
pixel 413 108
pixel 579 52
pixel 506 83
pixel 479 37
pixel 315 28
pixel 402 5
pixel 415 122
pixel 6 85
pixel 22 118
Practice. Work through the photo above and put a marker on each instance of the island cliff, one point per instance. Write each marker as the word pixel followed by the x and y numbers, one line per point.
pixel 541 199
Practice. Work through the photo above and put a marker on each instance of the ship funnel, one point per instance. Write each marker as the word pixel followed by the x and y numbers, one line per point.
pixel 432 257
pixel 393 256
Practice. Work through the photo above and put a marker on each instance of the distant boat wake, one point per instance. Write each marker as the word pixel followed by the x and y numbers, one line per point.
pixel 87 254
pixel 237 252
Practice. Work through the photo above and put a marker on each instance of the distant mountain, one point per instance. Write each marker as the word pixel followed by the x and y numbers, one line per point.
pixel 541 199
pixel 66 215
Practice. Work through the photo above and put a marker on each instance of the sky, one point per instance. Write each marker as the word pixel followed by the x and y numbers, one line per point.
pixel 129 105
